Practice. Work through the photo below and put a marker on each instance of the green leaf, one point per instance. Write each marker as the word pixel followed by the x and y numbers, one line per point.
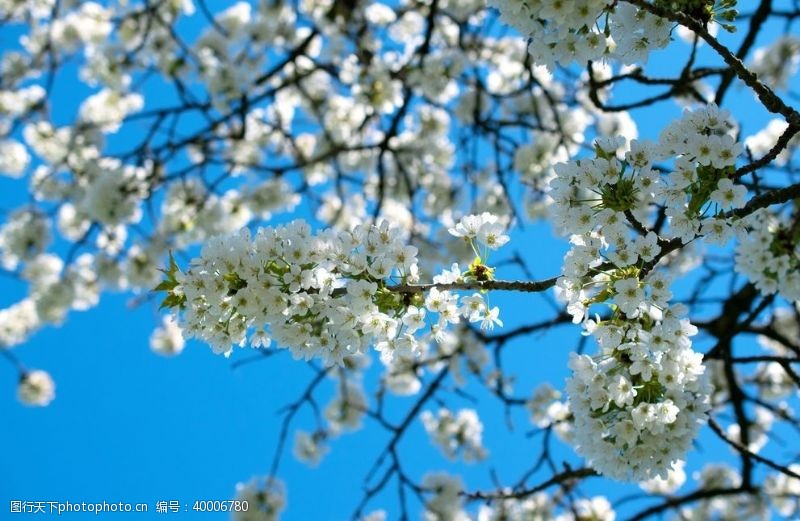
pixel 169 284
pixel 165 285
pixel 173 301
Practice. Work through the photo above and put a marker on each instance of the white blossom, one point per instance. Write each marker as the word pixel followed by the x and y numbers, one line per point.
pixel 36 388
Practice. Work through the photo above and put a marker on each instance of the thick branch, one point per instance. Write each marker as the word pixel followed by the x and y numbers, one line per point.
pixel 567 475
pixel 780 146
pixel 533 286
pixel 781 195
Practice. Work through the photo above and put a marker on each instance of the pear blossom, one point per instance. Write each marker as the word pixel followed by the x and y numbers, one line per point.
pixel 36 388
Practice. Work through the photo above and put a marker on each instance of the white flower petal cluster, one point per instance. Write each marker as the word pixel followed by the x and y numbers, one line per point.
pixel 774 383
pixel 317 294
pixel 772 379
pixel 115 192
pixel 24 235
pixel 20 9
pixel 461 432
pixel 19 101
pixel 310 447
pixel 605 192
pixel 107 109
pixel 43 270
pixel 562 32
pixel 270 196
pixel 465 352
pixel 190 213
pixel 776 63
pixel 348 407
pixel 36 388
pixel 53 292
pixel 758 430
pixel 167 339
pixel 646 385
pixel 53 144
pixel 702 136
pixel 89 23
pixel 485 228
pixel 266 499
pixel 769 255
pixel 638 404
pixel 17 322
pixel 597 508
pixel 548 410
pixel 14 158
pixel 402 376
pixel 446 501
pixel 676 477
pixel 784 492
pixel 327 295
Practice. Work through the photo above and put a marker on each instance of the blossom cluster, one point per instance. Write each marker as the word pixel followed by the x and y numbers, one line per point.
pixel 121 204
pixel 675 478
pixel 36 388
pixel 776 63
pixel 460 349
pixel 310 447
pixel 561 32
pixel 53 288
pixel 564 32
pixel 265 497
pixel 167 339
pixel 548 410
pixel 325 295
pixel 17 322
pixel 446 501
pixel 347 408
pixel 23 236
pixel 783 490
pixel 639 403
pixel 461 432
pixel 646 380
pixel 773 380
pixel 598 200
pixel 609 192
pixel 769 255
pixel 298 100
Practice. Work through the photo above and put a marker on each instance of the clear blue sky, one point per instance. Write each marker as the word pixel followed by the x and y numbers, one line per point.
pixel 128 425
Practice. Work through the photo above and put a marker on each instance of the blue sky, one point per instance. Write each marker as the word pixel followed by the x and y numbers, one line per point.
pixel 128 425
